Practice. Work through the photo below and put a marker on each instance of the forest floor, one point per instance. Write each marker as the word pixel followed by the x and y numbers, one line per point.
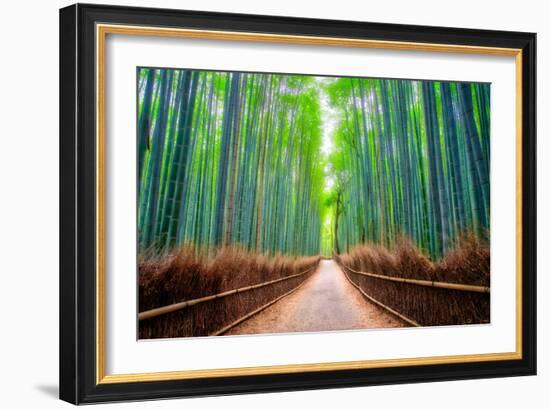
pixel 325 302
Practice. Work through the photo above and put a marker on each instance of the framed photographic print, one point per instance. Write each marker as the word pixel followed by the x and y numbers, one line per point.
pixel 257 203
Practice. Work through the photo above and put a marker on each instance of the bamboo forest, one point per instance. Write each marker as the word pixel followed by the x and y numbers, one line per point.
pixel 303 167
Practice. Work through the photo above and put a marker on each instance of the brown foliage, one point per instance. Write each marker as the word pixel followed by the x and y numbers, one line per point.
pixel 467 263
pixel 185 274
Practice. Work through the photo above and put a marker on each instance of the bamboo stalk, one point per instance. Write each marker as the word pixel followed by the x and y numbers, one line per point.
pixel 389 309
pixel 426 283
pixel 155 312
pixel 256 311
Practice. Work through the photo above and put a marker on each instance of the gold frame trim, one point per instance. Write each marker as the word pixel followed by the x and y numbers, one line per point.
pixel 101 32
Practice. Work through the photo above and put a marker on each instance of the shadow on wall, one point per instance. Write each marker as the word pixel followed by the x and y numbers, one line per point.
pixel 50 390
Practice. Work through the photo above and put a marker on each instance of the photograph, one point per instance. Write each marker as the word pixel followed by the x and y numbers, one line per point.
pixel 272 203
pixel 252 201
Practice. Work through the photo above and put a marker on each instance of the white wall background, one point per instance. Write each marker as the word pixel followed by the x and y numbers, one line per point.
pixel 29 202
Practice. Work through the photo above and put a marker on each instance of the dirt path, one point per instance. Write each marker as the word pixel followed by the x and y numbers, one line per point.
pixel 327 301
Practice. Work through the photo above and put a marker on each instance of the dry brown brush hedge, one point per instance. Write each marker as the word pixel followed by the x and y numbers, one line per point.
pixel 185 274
pixel 468 263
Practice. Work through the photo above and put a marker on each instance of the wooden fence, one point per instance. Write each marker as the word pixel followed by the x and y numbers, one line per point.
pixel 426 283
pixel 423 302
pixel 150 327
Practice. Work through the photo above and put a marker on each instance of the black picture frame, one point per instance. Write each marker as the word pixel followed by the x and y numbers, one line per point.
pixel 78 236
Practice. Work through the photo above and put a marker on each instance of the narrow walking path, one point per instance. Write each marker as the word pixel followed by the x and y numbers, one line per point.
pixel 326 301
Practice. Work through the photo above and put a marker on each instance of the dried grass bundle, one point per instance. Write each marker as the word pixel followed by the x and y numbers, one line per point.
pixel 467 263
pixel 186 274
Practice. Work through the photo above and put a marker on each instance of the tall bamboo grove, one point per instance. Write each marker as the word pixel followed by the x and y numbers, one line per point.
pixel 229 158
pixel 411 159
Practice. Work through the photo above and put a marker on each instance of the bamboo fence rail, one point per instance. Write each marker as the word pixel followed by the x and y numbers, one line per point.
pixel 425 283
pixel 384 306
pixel 256 311
pixel 155 312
